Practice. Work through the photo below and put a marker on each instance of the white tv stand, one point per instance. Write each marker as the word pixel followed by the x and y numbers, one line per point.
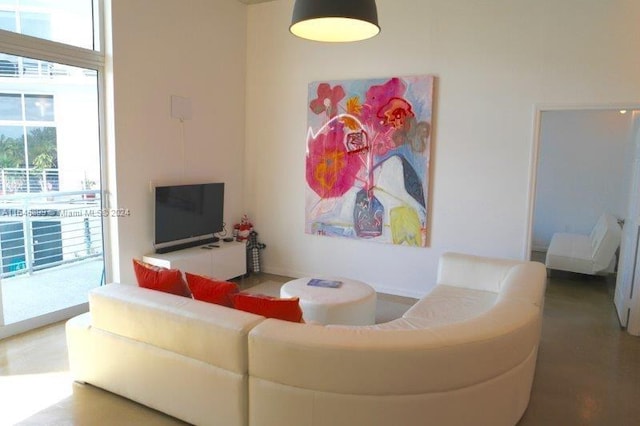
pixel 226 261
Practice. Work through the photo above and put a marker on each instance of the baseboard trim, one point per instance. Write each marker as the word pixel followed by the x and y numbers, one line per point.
pixel 540 248
pixel 379 289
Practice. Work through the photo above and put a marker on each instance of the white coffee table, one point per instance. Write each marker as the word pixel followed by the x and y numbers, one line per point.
pixel 353 303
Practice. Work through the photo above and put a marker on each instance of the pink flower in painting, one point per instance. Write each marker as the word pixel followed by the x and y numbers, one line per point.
pixel 378 97
pixel 327 100
pixel 383 144
pixel 395 112
pixel 331 170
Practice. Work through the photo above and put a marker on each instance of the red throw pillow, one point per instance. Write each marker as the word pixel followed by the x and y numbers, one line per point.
pixel 210 290
pixel 270 307
pixel 161 279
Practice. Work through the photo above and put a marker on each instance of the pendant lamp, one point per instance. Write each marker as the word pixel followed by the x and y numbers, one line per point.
pixel 335 20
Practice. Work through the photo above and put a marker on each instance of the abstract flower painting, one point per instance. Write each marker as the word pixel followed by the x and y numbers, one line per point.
pixel 367 163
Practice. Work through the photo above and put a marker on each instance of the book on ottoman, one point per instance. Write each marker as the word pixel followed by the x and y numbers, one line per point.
pixel 316 282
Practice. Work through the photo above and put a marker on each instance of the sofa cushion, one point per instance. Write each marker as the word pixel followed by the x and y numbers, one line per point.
pixel 287 309
pixel 448 304
pixel 161 279
pixel 210 290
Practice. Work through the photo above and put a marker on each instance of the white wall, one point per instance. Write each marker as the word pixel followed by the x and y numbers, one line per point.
pixel 195 49
pixel 583 171
pixel 495 61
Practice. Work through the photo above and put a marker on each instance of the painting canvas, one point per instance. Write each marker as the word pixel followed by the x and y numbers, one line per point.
pixel 367 162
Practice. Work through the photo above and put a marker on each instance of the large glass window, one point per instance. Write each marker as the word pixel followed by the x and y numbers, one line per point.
pixel 28 150
pixel 10 106
pixel 38 107
pixel 8 20
pixel 51 210
pixel 65 21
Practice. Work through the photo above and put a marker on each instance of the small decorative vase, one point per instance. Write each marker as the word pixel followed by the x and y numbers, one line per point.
pixel 368 215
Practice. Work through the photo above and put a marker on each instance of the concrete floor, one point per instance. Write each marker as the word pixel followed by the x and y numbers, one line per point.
pixel 588 370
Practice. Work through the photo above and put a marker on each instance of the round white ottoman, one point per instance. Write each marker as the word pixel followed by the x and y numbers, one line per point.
pixel 353 303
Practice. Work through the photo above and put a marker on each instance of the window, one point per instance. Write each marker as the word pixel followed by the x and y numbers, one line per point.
pixel 69 21
pixel 28 143
pixel 51 211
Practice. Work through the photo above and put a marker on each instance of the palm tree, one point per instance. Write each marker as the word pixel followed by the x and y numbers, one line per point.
pixel 11 152
pixel 43 151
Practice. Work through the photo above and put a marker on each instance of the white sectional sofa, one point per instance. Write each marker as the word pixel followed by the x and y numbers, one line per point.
pixel 464 354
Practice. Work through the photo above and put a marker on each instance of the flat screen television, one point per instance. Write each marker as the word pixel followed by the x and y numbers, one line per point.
pixel 187 215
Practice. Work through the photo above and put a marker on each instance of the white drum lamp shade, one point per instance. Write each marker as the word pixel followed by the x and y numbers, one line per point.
pixel 335 20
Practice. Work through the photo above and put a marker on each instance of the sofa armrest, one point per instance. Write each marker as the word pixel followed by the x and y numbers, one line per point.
pixel 526 282
pixel 79 345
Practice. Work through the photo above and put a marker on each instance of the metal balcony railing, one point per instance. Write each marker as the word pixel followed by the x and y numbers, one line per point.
pixel 17 180
pixel 45 229
pixel 18 67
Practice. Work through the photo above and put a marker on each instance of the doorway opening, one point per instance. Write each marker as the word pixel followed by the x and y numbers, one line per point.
pixel 584 165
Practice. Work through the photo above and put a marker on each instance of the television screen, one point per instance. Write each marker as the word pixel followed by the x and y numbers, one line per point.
pixel 188 211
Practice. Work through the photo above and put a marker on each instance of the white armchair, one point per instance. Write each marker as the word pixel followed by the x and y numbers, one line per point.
pixel 586 254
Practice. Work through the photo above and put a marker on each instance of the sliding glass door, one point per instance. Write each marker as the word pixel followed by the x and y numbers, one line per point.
pixel 51 210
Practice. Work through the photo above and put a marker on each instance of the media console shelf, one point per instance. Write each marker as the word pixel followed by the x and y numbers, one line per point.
pixel 226 261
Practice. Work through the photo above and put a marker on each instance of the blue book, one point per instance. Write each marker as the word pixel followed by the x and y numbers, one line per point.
pixel 315 282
